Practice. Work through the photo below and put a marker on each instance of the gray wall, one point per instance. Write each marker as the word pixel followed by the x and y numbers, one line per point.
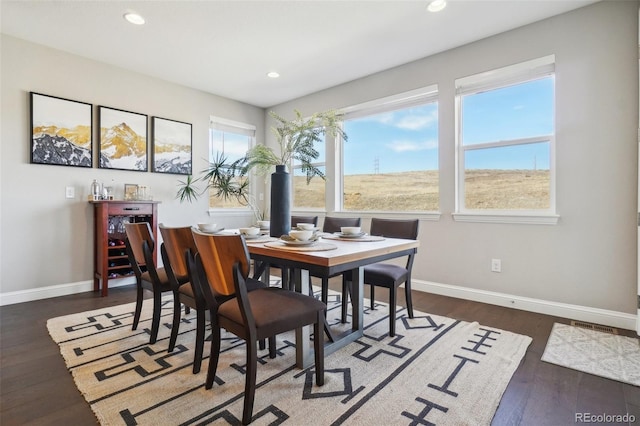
pixel 588 258
pixel 47 239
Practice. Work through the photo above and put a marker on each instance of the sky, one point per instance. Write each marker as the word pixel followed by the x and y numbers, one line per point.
pixel 407 140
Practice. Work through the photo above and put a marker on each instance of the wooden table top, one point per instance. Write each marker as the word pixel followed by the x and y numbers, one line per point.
pixel 345 252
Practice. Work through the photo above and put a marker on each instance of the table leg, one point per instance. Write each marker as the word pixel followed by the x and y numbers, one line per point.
pixel 357 299
pixel 304 352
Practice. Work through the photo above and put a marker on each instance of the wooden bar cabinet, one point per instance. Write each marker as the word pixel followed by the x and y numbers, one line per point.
pixel 110 254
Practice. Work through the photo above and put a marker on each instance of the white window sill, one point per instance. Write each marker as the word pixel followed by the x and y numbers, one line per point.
pixel 230 212
pixel 524 219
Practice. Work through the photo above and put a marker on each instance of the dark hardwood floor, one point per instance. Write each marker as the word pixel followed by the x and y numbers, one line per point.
pixel 37 389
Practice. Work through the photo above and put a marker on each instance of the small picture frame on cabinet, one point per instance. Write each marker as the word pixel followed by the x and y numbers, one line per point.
pixel 130 192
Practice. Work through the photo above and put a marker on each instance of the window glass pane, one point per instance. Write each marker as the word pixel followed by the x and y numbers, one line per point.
pixel 512 112
pixel 234 146
pixel 508 178
pixel 313 194
pixel 391 161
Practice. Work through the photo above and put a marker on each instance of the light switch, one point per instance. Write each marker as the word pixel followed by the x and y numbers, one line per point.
pixel 70 192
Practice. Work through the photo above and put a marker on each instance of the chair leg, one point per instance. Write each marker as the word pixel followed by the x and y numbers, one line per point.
pixel 372 299
pixel 392 310
pixel 272 346
pixel 318 346
pixel 407 290
pixel 214 355
pixel 176 321
pixel 250 381
pixel 138 311
pixel 197 356
pixel 155 323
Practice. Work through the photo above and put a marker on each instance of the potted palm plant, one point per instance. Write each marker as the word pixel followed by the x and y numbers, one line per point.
pixel 295 142
pixel 295 139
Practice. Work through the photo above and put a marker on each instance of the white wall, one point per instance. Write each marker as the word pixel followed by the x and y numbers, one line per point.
pixel 46 239
pixel 589 258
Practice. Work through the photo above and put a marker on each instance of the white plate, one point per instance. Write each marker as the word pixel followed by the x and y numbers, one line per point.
pixel 213 232
pixel 252 237
pixel 293 242
pixel 341 235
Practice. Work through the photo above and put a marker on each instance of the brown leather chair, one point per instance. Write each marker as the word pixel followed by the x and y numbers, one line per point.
pixel 140 246
pixel 177 241
pixel 389 275
pixel 222 264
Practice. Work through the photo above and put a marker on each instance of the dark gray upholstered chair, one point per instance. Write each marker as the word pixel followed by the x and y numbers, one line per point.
pixel 140 246
pixel 389 275
pixel 222 266
pixel 331 225
pixel 285 273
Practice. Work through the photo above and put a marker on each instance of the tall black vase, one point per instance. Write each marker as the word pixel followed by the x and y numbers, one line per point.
pixel 280 220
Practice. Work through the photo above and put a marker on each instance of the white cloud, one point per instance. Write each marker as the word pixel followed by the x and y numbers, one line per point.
pixel 417 122
pixel 411 146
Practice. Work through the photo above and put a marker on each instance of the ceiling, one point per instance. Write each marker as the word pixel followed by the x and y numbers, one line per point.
pixel 227 47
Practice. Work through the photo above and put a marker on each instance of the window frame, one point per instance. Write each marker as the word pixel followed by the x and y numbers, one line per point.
pixel 236 127
pixel 416 97
pixel 491 80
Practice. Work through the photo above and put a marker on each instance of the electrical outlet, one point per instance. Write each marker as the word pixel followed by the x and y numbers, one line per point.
pixel 496 265
pixel 70 192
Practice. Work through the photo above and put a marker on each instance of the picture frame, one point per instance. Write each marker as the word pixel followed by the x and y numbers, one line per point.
pixel 123 139
pixel 172 146
pixel 61 131
pixel 130 192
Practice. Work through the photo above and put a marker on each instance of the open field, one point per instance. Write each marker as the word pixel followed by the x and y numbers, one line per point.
pixel 418 191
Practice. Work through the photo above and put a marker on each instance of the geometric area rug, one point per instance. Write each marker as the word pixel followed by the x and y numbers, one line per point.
pixel 436 370
pixel 594 352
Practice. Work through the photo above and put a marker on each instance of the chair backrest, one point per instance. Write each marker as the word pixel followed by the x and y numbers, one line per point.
pixel 333 224
pixel 176 240
pixel 295 220
pixel 395 228
pixel 218 254
pixel 137 234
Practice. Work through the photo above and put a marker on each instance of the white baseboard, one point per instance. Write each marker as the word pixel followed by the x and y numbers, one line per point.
pixel 564 310
pixel 12 297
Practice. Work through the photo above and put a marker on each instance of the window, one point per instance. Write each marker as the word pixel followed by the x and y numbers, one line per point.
pixel 390 160
pixel 505 139
pixel 231 139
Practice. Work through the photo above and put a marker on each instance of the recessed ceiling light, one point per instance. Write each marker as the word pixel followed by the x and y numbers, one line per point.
pixel 436 5
pixel 273 74
pixel 134 18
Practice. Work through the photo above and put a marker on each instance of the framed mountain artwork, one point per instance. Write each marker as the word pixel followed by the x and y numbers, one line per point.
pixel 171 146
pixel 60 131
pixel 123 139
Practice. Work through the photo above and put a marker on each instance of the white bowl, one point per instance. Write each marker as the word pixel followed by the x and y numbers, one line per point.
pixel 300 235
pixel 305 226
pixel 250 232
pixel 263 224
pixel 349 230
pixel 207 227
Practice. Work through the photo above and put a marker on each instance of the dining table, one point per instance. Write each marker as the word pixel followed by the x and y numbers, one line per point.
pixel 328 256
